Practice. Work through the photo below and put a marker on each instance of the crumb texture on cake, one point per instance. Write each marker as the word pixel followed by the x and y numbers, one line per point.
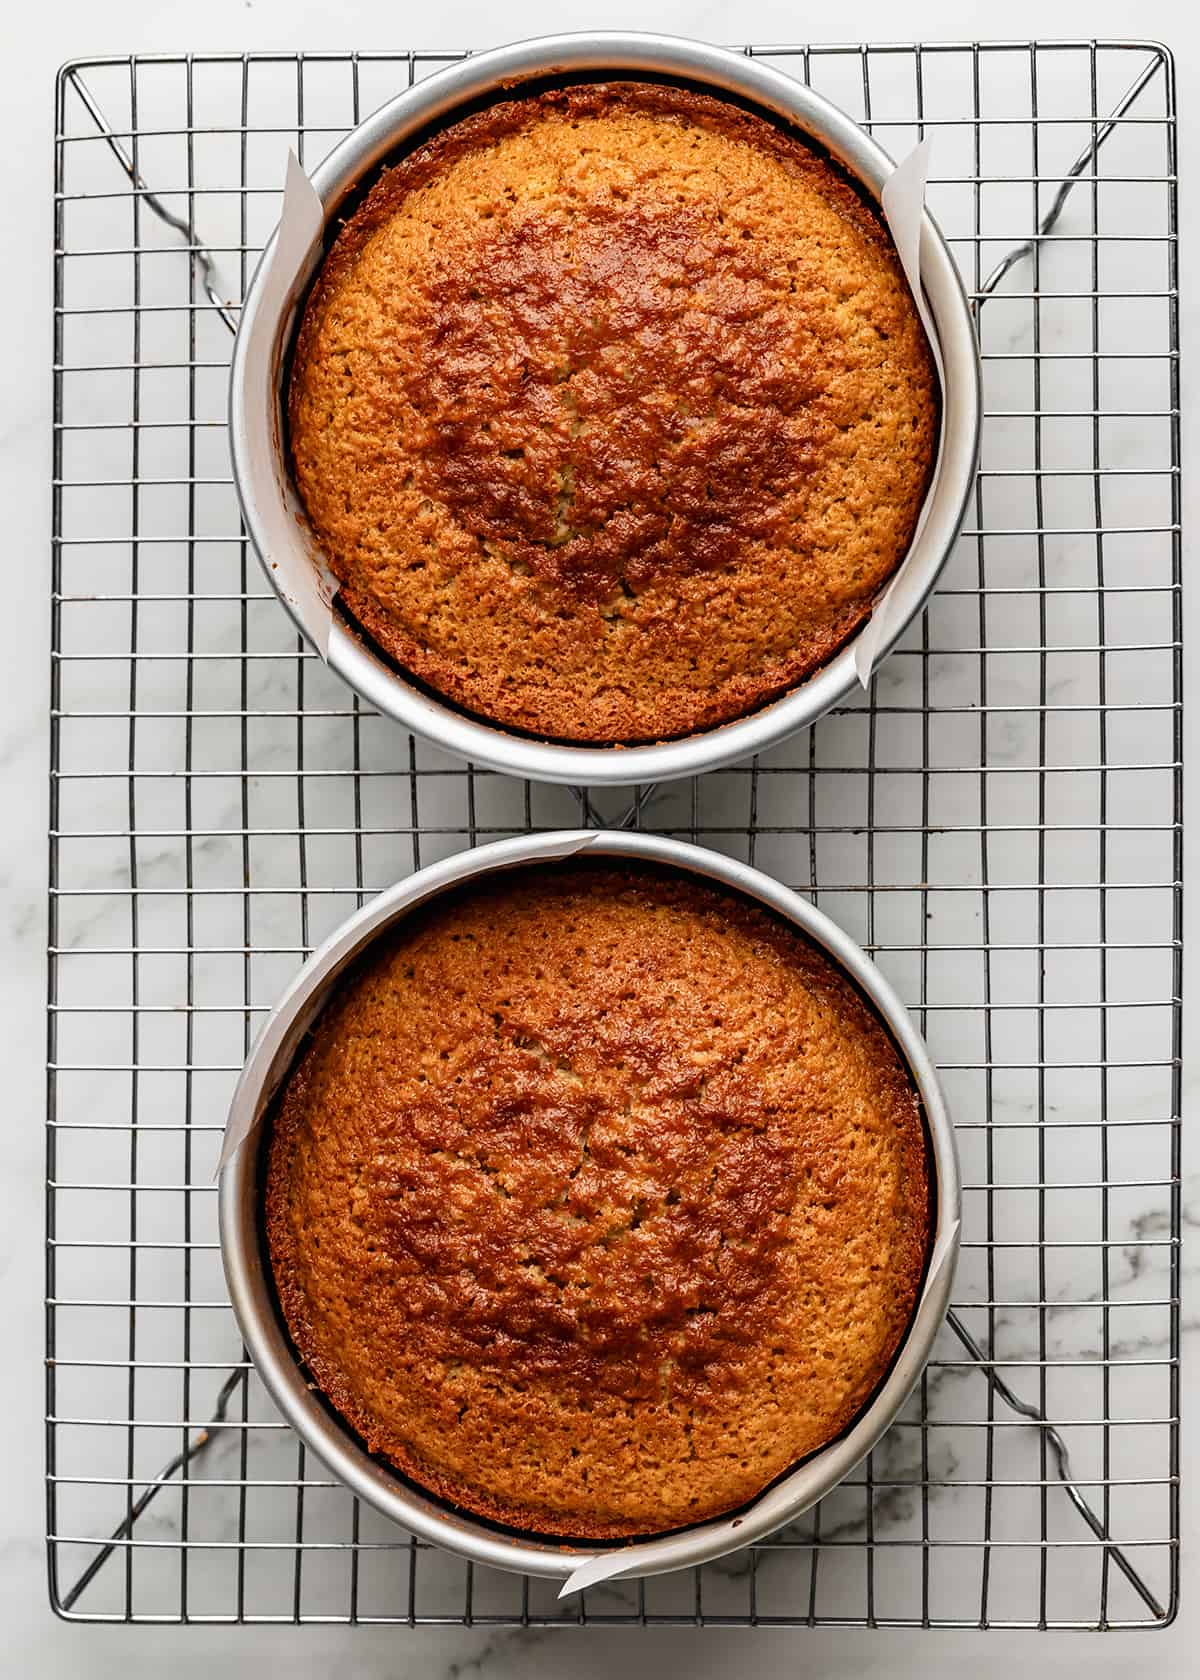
pixel 598 1199
pixel 612 412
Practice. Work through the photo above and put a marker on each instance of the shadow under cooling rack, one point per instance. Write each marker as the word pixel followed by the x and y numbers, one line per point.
pixel 998 821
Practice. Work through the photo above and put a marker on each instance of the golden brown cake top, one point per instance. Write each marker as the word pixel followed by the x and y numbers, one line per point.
pixel 612 411
pixel 598 1200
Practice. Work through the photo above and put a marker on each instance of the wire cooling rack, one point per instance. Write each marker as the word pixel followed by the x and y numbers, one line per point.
pixel 998 822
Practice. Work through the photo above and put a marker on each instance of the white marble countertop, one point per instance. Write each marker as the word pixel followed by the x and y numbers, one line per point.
pixel 39 1644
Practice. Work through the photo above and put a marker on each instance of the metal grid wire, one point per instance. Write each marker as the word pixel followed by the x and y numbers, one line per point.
pixel 998 823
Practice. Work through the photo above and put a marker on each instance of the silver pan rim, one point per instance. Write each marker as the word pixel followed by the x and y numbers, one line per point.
pixel 255 421
pixel 252 1294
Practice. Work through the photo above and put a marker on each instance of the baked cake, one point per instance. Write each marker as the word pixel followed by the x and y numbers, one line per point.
pixel 612 412
pixel 598 1199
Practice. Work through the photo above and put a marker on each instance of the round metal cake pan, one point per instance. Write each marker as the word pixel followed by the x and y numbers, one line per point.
pixel 247 1268
pixel 272 512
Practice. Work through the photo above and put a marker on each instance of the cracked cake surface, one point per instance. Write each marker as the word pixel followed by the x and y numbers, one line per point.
pixel 612 412
pixel 598 1199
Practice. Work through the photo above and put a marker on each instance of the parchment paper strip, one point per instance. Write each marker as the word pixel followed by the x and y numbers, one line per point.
pixel 904 211
pixel 306 581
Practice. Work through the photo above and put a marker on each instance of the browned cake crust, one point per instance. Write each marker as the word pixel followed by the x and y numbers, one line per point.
pixel 597 1201
pixel 612 412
